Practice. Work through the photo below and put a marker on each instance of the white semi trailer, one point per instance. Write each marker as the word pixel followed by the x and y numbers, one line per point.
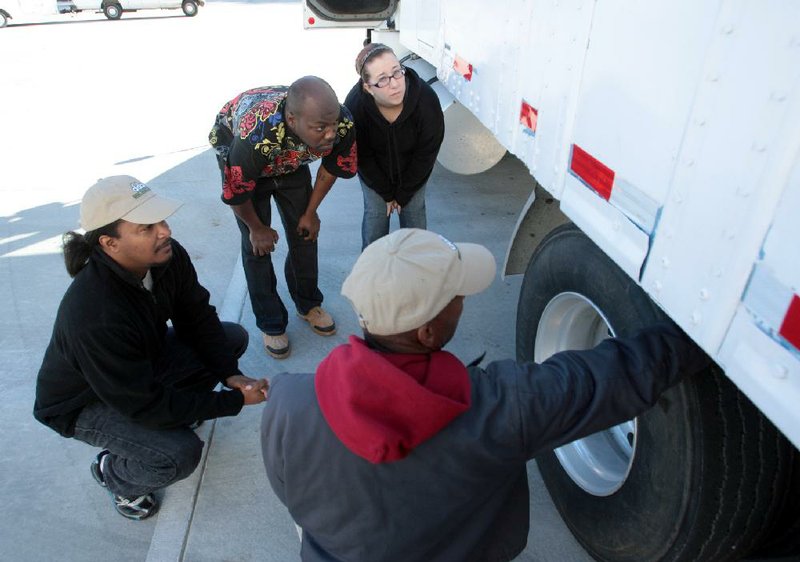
pixel 664 143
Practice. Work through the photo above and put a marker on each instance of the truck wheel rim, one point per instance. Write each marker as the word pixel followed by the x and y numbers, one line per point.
pixel 600 463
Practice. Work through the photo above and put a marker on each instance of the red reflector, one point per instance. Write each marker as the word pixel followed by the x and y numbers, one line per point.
pixel 311 21
pixel 790 329
pixel 463 68
pixel 528 116
pixel 594 173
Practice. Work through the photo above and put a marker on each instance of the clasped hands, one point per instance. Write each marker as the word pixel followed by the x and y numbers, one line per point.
pixel 392 206
pixel 254 390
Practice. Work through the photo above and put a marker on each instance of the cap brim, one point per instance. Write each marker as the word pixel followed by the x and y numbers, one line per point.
pixel 479 268
pixel 154 210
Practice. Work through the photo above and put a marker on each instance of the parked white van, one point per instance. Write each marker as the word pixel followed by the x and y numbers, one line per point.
pixel 113 9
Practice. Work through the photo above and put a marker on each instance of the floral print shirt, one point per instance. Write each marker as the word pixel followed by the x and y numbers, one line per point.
pixel 252 141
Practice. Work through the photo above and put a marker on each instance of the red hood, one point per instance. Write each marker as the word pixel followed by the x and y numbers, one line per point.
pixel 382 405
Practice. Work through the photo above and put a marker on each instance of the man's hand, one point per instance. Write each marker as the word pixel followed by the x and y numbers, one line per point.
pixel 263 240
pixel 308 226
pixel 392 206
pixel 254 390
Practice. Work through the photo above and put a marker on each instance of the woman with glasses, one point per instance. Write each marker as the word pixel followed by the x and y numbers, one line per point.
pixel 399 129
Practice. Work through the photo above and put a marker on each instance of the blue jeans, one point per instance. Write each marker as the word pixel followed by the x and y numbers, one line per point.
pixel 291 193
pixel 375 222
pixel 143 459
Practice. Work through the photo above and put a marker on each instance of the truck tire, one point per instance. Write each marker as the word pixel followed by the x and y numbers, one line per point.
pixel 700 476
pixel 113 11
pixel 189 8
pixel 783 539
pixel 3 19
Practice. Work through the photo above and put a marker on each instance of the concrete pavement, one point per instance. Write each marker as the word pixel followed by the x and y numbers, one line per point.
pixel 233 480
pixel 226 510
pixel 480 209
pixel 62 140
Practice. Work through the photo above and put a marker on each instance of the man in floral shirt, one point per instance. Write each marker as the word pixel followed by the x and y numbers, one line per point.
pixel 265 138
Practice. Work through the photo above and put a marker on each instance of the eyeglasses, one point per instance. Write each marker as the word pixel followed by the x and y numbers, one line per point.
pixel 383 81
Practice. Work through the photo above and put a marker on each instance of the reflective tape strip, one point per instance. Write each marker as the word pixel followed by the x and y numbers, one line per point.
pixel 637 205
pixel 592 172
pixel 528 116
pixel 774 306
pixel 463 68
pixel 790 327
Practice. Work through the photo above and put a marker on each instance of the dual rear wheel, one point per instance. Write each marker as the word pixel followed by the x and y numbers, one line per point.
pixel 701 476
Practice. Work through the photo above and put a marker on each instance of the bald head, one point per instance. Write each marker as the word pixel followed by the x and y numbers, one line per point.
pixel 310 93
pixel 312 113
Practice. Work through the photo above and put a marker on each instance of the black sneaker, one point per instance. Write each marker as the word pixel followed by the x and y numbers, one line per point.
pixel 138 508
pixel 97 472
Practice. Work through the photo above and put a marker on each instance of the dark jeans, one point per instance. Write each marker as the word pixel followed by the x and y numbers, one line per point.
pixel 291 193
pixel 142 459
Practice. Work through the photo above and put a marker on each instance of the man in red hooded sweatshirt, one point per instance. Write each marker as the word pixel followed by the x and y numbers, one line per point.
pixel 395 450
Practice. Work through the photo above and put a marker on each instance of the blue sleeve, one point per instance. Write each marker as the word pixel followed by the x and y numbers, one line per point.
pixel 576 393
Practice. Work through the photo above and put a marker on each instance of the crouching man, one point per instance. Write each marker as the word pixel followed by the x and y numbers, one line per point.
pixel 395 450
pixel 114 374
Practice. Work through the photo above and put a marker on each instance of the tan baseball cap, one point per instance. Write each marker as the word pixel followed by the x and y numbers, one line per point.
pixel 123 197
pixel 405 279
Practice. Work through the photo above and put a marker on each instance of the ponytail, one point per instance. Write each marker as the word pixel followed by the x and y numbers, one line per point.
pixel 78 247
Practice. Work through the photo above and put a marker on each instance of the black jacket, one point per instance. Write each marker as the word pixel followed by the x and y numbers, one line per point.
pixel 396 159
pixel 110 331
pixel 462 494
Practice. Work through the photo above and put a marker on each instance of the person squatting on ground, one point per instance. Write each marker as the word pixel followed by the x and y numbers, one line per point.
pixel 394 449
pixel 264 139
pixel 114 375
pixel 400 127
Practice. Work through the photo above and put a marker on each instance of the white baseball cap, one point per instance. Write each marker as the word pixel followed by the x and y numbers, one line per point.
pixel 123 197
pixel 405 279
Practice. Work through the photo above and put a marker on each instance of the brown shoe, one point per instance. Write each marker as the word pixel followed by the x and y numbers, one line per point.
pixel 320 321
pixel 277 346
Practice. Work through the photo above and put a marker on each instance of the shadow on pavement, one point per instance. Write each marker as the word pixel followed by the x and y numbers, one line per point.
pixel 53 509
pixel 46 479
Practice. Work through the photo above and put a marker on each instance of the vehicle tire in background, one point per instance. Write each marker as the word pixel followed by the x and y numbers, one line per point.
pixel 701 476
pixel 112 10
pixel 189 8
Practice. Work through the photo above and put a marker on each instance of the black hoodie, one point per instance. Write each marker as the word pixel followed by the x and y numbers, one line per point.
pixel 396 159
pixel 108 335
